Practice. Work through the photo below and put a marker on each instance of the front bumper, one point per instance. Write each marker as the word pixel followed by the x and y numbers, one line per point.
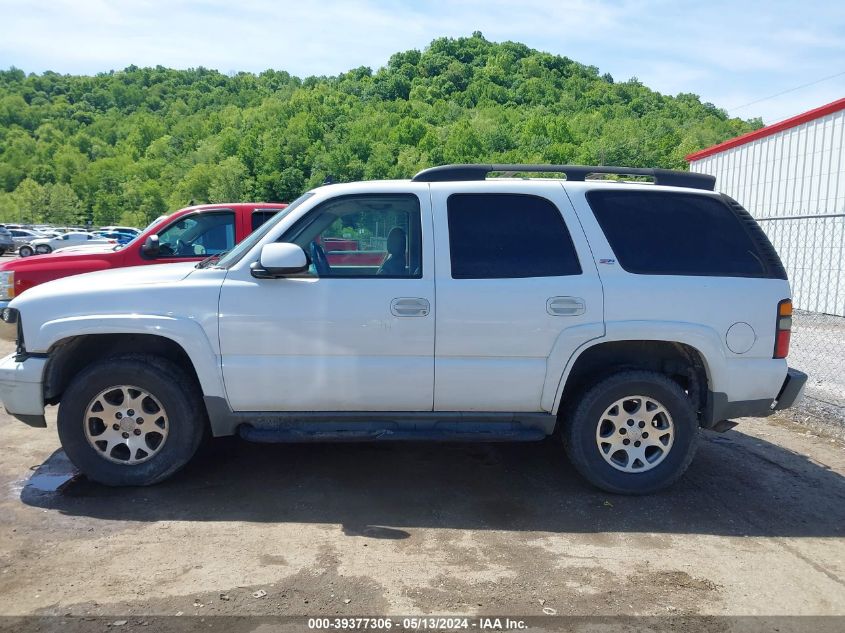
pixel 21 388
pixel 718 407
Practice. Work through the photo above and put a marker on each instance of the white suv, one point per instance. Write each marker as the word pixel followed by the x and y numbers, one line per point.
pixel 619 316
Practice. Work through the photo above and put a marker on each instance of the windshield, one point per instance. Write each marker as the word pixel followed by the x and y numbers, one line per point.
pixel 235 255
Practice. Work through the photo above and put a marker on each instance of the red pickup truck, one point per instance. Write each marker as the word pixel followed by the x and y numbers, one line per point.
pixel 190 234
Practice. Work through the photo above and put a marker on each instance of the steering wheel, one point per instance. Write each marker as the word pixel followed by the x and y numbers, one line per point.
pixel 182 248
pixel 321 262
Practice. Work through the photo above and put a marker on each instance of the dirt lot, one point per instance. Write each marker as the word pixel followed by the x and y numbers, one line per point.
pixel 755 528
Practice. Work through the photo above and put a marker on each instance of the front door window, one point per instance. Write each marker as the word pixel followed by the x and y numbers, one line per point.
pixel 198 235
pixel 365 236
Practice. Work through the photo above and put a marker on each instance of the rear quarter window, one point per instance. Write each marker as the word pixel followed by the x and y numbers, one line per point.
pixel 657 233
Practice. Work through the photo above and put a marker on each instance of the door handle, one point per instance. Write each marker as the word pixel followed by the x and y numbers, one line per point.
pixel 566 306
pixel 410 307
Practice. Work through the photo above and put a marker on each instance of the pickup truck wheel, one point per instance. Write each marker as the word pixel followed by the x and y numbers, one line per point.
pixel 131 421
pixel 25 251
pixel 633 433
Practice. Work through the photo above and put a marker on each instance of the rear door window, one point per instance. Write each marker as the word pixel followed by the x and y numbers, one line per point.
pixel 505 236
pixel 658 233
pixel 260 216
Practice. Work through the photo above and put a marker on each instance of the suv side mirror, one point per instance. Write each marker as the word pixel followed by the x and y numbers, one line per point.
pixel 150 247
pixel 278 259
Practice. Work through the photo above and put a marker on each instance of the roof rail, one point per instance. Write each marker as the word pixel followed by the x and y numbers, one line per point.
pixel 668 177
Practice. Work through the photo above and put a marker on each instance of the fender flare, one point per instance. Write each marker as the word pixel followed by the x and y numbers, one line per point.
pixel 703 339
pixel 185 332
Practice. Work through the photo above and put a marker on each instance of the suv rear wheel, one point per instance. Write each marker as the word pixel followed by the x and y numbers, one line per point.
pixel 633 433
pixel 131 421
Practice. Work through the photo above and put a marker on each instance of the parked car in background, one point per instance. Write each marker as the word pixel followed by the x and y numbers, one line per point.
pixel 22 237
pixel 61 229
pixel 123 229
pixel 120 237
pixel 190 234
pixel 45 245
pixel 7 242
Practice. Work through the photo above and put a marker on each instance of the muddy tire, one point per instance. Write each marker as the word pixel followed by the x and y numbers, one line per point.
pixel 131 420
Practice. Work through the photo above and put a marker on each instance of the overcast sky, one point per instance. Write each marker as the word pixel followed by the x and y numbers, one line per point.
pixel 729 52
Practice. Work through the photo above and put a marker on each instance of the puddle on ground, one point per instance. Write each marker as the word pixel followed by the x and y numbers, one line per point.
pixel 53 476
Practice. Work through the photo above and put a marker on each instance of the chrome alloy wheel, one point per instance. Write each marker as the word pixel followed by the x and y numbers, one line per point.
pixel 126 424
pixel 635 434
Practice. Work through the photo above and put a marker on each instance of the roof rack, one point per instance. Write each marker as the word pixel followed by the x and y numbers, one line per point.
pixel 668 177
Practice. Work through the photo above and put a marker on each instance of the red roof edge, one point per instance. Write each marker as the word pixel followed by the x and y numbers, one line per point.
pixel 774 128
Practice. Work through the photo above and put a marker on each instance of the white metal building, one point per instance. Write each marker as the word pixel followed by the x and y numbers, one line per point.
pixel 791 178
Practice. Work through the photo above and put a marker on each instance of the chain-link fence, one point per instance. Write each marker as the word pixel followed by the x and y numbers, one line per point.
pixel 812 248
pixel 818 348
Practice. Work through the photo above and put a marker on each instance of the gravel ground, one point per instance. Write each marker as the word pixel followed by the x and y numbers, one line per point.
pixel 755 528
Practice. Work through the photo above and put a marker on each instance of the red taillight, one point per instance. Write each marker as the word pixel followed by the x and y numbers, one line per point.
pixel 783 329
pixel 782 343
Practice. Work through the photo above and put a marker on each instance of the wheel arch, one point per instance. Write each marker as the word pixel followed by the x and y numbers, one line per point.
pixel 680 361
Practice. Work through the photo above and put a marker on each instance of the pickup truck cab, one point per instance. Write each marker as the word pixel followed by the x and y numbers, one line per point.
pixel 190 234
pixel 620 317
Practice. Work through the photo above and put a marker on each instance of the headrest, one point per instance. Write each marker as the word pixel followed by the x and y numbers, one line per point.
pixel 396 242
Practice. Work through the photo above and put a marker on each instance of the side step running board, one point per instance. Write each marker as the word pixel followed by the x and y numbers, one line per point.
pixel 299 435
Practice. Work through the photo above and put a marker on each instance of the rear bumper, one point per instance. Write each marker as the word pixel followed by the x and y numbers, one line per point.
pixel 21 389
pixel 792 390
pixel 718 407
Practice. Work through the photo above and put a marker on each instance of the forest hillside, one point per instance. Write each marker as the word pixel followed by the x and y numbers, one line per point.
pixel 127 146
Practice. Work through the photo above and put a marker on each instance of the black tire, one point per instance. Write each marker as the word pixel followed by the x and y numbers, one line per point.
pixel 43 249
pixel 579 432
pixel 167 382
pixel 2 252
pixel 25 251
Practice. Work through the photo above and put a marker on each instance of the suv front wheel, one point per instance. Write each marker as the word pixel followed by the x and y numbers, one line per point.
pixel 131 421
pixel 633 433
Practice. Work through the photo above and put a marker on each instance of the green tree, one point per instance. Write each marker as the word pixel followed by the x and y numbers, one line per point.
pixel 64 204
pixel 32 201
pixel 230 182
